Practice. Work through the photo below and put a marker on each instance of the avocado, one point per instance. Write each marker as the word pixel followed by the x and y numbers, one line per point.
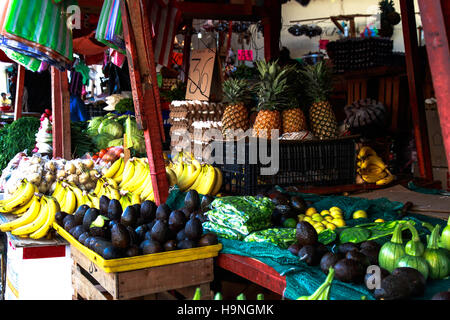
pixel 140 232
pixel 444 295
pixel 90 241
pixel 162 212
pixel 306 234
pixel 111 252
pixel 414 278
pixel 103 205
pixel 321 249
pixel 137 208
pixel 187 212
pixel 299 204
pixel 129 217
pixel 371 253
pixel 205 203
pixel 177 220
pixel 170 245
pixel 309 255
pixel 349 270
pixel 192 200
pixel 328 260
pixel 186 244
pixel 181 235
pixel 193 229
pixel 99 243
pixel 114 210
pixel 160 231
pixel 148 211
pixel 358 257
pixel 200 216
pixel 82 238
pixel 346 247
pixel 134 239
pixel 150 246
pixel 98 232
pixel 281 212
pixel 69 222
pixel 59 217
pixel 133 251
pixel 280 199
pixel 294 248
pixel 89 217
pixel 392 288
pixel 151 224
pixel 120 237
pixel 370 244
pixel 148 235
pixel 208 239
pixel 79 214
pixel 77 231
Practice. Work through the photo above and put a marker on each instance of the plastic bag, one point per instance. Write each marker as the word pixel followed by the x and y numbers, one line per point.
pixel 282 237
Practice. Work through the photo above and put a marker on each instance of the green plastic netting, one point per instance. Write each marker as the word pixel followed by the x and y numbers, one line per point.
pixel 301 279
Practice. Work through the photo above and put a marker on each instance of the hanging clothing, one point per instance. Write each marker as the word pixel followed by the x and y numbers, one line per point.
pixel 77 109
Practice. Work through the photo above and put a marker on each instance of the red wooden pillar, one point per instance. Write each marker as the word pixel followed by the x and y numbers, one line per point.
pixel 436 39
pixel 61 114
pixel 19 92
pixel 415 83
pixel 145 90
pixel 187 51
pixel 272 29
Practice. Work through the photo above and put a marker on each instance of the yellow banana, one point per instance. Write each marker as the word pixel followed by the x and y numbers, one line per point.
pixel 119 174
pixel 188 181
pixel 366 151
pixel 128 171
pixel 374 178
pixel 151 197
pixel 36 223
pixel 219 181
pixel 372 170
pixel 22 209
pixel 112 183
pixel 172 177
pixel 111 171
pixel 199 179
pixel 23 197
pixel 58 189
pixel 210 180
pixel 373 160
pixel 147 191
pixel 135 199
pixel 94 200
pixel 78 195
pixel 99 185
pixel 113 193
pixel 26 218
pixel 43 230
pixel 139 177
pixel 143 186
pixel 86 200
pixel 15 194
pixel 70 202
pixel 388 179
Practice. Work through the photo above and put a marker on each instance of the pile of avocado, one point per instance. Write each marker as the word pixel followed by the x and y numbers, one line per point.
pixel 139 229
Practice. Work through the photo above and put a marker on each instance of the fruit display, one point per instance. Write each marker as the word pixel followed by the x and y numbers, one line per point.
pixel 365 112
pixel 35 213
pixel 44 137
pixel 272 95
pixel 235 117
pixel 139 229
pixel 371 168
pixel 318 83
pixel 327 219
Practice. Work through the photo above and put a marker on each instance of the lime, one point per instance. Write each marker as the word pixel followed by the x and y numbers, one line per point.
pixel 290 223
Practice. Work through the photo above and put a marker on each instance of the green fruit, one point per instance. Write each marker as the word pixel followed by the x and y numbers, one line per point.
pixel 290 223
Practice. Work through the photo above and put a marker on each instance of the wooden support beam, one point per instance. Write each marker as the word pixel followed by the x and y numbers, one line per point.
pixel 272 29
pixel 19 92
pixel 437 44
pixel 216 11
pixel 187 51
pixel 416 98
pixel 141 62
pixel 61 114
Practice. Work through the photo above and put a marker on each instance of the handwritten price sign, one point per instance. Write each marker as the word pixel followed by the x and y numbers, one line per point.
pixel 245 55
pixel 201 72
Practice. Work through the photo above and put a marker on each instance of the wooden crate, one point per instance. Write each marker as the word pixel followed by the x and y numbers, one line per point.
pixel 174 281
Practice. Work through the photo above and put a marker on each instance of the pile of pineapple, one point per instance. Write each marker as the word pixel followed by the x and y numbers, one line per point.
pixel 279 101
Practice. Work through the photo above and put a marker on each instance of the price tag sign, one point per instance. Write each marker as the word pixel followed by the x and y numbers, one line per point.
pixel 245 55
pixel 205 81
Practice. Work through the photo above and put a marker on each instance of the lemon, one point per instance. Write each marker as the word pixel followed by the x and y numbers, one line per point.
pixel 336 214
pixel 301 217
pixel 320 229
pixel 359 214
pixel 317 224
pixel 329 218
pixel 338 222
pixel 324 212
pixel 330 226
pixel 310 211
pixel 336 209
pixel 317 217
pixel 307 219
pixel 379 220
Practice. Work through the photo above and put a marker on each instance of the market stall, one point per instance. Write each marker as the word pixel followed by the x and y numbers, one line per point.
pixel 137 218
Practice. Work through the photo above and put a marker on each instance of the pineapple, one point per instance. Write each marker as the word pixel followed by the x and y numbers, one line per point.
pixel 318 83
pixel 293 120
pixel 235 116
pixel 273 95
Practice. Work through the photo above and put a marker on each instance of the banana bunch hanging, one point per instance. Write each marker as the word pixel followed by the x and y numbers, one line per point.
pixel 371 167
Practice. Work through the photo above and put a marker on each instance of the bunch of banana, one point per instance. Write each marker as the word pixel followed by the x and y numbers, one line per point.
pixel 115 171
pixel 70 197
pixel 371 167
pixel 20 201
pixel 129 199
pixel 36 222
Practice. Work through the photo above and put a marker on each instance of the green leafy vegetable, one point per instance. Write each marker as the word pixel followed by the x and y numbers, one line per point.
pixel 124 105
pixel 111 127
pixel 327 236
pixel 355 235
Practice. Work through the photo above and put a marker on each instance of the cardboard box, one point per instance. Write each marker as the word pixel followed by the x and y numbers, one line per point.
pixel 38 273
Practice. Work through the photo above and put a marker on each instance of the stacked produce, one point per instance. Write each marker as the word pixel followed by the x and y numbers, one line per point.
pixel 371 168
pixel 106 157
pixel 139 229
pixel 81 143
pixel 35 213
pixel 44 137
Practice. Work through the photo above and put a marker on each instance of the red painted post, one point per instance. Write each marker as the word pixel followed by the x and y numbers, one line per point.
pixel 436 39
pixel 415 82
pixel 143 81
pixel 19 92
pixel 272 29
